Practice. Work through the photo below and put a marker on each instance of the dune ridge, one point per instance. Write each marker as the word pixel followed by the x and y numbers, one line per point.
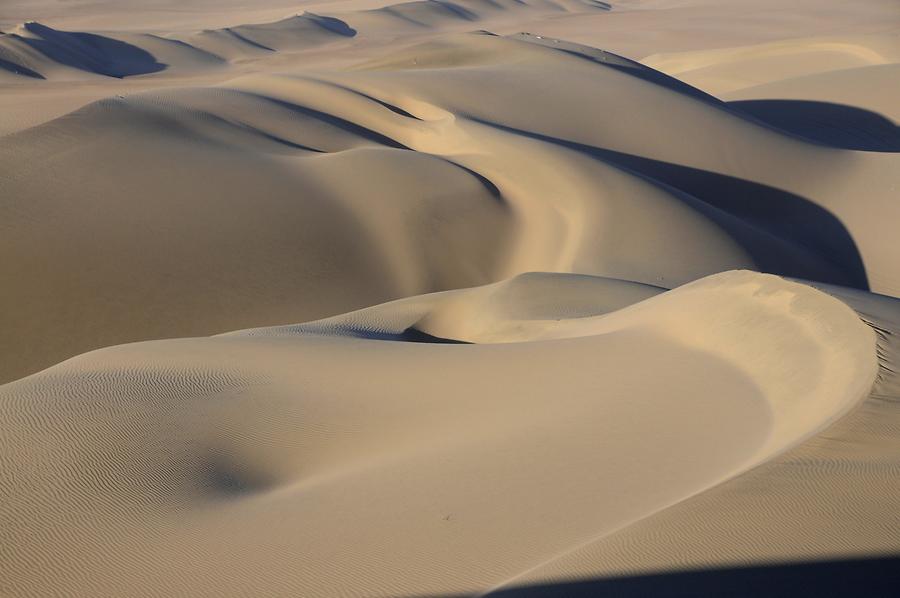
pixel 821 500
pixel 449 298
pixel 284 140
pixel 211 476
pixel 34 50
pixel 774 61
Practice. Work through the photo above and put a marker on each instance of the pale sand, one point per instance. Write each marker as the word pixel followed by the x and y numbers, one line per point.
pixel 561 425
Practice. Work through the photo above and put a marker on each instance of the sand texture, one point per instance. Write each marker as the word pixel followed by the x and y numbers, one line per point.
pixel 470 298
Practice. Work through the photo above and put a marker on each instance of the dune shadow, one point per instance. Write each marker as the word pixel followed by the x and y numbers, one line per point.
pixel 332 24
pixel 850 578
pixel 225 477
pixel 645 73
pixel 485 182
pixel 455 10
pixel 785 215
pixel 623 65
pixel 408 335
pixel 92 53
pixel 334 121
pixel 834 125
pixel 414 335
pixel 790 219
pixel 246 40
pixel 18 69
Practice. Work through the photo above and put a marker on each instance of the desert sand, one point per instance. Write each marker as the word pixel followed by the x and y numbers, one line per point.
pixel 470 298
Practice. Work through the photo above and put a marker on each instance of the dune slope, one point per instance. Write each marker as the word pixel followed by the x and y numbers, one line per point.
pixel 287 460
pixel 449 298
pixel 245 183
pixel 820 519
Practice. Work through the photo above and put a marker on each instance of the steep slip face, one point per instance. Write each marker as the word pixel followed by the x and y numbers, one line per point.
pixel 233 204
pixel 819 519
pixel 704 148
pixel 309 461
pixel 212 220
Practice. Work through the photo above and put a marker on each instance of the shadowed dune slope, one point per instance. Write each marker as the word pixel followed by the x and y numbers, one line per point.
pixel 870 89
pixel 38 51
pixel 839 578
pixel 291 34
pixel 439 14
pixel 34 50
pixel 245 184
pixel 833 498
pixel 254 463
pixel 345 298
pixel 835 125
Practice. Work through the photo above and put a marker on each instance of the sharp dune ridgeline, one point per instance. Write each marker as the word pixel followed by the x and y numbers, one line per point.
pixel 469 298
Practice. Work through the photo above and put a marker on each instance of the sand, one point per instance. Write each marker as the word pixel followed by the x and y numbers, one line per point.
pixel 492 297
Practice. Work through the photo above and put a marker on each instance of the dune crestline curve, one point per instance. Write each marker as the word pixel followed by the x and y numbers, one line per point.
pixel 449 298
pixel 447 191
pixel 219 461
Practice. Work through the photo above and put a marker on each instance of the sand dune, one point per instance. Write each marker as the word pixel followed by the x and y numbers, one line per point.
pixel 830 498
pixel 359 298
pixel 848 90
pixel 538 178
pixel 34 50
pixel 730 69
pixel 291 34
pixel 252 448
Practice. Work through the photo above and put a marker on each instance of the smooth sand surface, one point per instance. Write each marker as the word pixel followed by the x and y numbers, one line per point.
pixel 490 297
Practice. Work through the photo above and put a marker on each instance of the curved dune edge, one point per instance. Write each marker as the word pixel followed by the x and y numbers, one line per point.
pixel 174 170
pixel 801 404
pixel 727 70
pixel 309 461
pixel 447 191
pixel 832 499
pixel 32 50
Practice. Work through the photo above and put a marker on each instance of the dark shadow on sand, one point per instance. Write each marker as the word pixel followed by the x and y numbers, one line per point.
pixel 18 69
pixel 794 220
pixel 834 125
pixel 334 121
pixel 409 335
pixel 332 24
pixel 851 578
pixel 866 577
pixel 824 123
pixel 414 335
pixel 92 53
pixel 623 65
pixel 246 40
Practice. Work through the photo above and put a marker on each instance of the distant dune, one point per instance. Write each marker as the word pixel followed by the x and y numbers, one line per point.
pixel 469 298
pixel 542 177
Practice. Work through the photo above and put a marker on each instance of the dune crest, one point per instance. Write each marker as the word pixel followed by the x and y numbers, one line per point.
pixel 770 361
pixel 33 50
pixel 775 61
pixel 522 188
pixel 449 298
